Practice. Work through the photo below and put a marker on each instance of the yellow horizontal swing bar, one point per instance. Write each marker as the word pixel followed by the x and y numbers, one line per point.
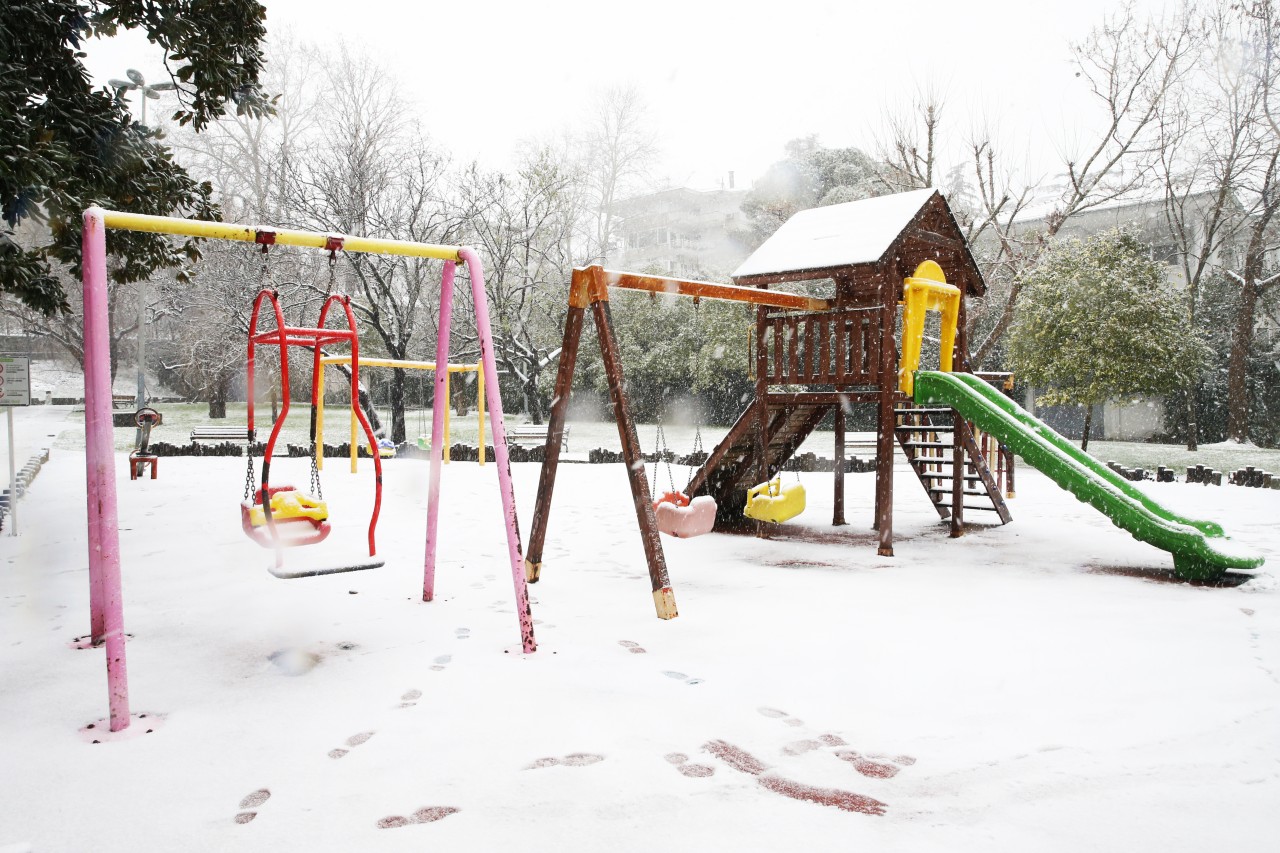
pixel 476 368
pixel 283 236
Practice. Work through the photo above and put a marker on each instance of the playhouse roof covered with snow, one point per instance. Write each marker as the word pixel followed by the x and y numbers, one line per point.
pixel 859 241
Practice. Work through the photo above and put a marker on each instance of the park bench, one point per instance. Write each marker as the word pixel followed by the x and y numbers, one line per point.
pixel 217 433
pixel 536 434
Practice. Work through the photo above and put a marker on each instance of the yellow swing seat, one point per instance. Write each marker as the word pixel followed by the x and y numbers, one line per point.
pixel 774 502
pixel 290 505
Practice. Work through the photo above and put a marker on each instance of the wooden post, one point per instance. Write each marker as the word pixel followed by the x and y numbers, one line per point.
pixel 837 516
pixel 663 596
pixel 555 426
pixel 886 424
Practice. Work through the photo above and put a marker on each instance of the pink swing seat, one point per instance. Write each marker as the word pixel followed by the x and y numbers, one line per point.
pixel 682 518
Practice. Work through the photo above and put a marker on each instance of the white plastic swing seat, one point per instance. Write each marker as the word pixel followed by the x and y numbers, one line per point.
pixel 684 522
pixel 771 501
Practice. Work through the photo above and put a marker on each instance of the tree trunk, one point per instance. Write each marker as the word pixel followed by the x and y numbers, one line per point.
pixel 532 400
pixel 1242 336
pixel 1088 425
pixel 397 405
pixel 1238 365
pixel 218 397
pixel 1193 425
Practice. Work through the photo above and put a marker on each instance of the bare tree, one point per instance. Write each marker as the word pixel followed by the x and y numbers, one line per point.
pixel 1208 142
pixel 373 173
pixel 66 329
pixel 1262 39
pixel 1130 65
pixel 247 158
pixel 524 224
pixel 620 149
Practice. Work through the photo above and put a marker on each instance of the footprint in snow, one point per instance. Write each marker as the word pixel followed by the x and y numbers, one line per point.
pixel 462 633
pixel 440 662
pixel 353 741
pixel 687 768
pixel 573 759
pixel 428 814
pixel 250 803
pixel 410 698
pixel 774 713
pixel 680 676
pixel 634 648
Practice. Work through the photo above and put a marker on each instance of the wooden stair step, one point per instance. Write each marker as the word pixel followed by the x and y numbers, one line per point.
pixel 925 428
pixel 927 444
pixel 967 506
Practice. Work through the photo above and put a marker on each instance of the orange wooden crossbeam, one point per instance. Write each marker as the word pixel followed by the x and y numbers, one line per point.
pixel 590 285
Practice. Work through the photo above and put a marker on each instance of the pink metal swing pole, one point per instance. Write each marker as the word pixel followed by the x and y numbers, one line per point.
pixel 502 459
pixel 105 599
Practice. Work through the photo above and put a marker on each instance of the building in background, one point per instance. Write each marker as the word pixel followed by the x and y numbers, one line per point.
pixel 682 232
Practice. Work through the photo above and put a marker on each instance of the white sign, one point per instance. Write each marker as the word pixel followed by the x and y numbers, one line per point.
pixel 15 380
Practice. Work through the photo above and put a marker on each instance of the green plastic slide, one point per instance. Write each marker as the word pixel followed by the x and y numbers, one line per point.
pixel 1200 550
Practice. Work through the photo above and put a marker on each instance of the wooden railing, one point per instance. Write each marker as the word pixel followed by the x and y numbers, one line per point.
pixel 824 348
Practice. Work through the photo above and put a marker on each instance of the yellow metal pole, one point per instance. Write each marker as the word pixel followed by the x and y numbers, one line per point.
pixel 448 377
pixel 355 444
pixel 480 411
pixel 283 236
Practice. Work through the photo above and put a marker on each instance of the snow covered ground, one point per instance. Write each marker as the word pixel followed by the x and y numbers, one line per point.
pixel 1028 687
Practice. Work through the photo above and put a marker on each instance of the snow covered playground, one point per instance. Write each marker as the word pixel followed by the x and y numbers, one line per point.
pixel 1028 687
pixel 1048 684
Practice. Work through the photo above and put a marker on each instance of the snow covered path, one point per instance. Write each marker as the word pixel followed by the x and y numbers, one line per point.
pixel 1004 691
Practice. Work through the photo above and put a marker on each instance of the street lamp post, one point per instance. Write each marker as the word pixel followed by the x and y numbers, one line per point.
pixel 138 82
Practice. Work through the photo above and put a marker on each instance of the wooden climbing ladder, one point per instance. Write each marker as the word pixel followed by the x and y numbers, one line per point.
pixel 941 449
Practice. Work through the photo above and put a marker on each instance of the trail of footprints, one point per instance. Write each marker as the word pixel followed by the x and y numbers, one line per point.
pixel 874 766
pixel 871 766
pixel 636 649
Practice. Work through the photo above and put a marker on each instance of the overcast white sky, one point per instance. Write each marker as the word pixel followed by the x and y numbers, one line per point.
pixel 726 87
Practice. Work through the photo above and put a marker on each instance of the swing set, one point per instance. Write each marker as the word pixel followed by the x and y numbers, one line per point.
pixel 424 440
pixel 682 516
pixel 285 513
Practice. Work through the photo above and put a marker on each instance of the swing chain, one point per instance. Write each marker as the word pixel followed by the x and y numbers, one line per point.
pixel 248 475
pixel 697 371
pixel 660 452
pixel 315 474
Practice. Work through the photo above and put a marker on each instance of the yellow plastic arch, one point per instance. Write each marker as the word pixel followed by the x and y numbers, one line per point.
pixel 927 290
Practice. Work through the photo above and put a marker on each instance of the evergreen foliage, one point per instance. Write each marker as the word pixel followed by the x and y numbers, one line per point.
pixel 65 146
pixel 1219 302
pixel 1096 321
pixel 811 176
